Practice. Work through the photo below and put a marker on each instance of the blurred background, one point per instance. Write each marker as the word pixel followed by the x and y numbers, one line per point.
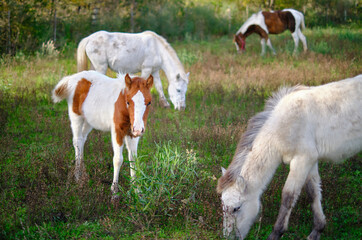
pixel 25 25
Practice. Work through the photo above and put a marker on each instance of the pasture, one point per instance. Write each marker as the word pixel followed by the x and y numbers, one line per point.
pixel 180 154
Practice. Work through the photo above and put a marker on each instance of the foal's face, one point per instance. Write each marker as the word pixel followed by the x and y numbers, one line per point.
pixel 138 100
pixel 239 210
pixel 239 41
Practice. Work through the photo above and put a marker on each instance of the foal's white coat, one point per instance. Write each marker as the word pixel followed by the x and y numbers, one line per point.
pixel 258 19
pixel 144 52
pixel 98 111
pixel 299 127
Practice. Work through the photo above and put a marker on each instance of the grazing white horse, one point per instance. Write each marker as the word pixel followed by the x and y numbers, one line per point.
pixel 300 126
pixel 144 52
pixel 118 105
pixel 275 22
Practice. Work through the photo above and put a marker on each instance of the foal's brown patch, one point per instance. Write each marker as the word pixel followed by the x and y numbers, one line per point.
pixel 121 118
pixel 80 94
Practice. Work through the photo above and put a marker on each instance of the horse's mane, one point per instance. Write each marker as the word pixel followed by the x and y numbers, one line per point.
pixel 252 20
pixel 168 48
pixel 247 139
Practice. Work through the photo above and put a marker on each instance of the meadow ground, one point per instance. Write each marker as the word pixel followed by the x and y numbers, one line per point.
pixel 180 154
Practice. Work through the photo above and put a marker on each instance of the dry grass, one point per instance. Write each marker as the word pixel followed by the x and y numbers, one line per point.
pixel 235 70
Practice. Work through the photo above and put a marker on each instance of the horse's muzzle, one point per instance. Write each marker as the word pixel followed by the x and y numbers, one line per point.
pixel 180 106
pixel 138 133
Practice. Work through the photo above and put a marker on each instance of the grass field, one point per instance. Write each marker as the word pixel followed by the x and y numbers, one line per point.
pixel 180 154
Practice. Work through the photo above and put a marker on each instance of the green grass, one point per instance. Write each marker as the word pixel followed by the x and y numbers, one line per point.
pixel 180 154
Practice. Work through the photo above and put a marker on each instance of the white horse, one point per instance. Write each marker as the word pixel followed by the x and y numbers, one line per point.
pixel 299 126
pixel 144 52
pixel 119 105
pixel 275 22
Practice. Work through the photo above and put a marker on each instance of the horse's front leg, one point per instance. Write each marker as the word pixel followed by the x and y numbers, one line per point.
pixel 158 85
pixel 131 144
pixel 262 42
pixel 117 162
pixel 314 192
pixel 300 167
pixel 268 42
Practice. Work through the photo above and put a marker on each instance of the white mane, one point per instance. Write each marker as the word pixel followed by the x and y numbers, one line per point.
pixel 168 47
pixel 255 19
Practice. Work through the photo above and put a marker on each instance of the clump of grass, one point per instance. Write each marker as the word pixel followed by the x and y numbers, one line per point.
pixel 48 49
pixel 322 47
pixel 164 185
pixel 188 57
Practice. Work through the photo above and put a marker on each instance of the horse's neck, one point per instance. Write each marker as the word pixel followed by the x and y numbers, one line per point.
pixel 257 19
pixel 260 166
pixel 171 65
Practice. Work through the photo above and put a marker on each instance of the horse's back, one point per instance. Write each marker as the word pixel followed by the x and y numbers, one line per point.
pixel 324 119
pixel 278 21
pixel 98 105
pixel 125 52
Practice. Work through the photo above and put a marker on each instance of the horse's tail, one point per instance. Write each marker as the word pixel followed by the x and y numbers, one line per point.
pixel 61 90
pixel 302 22
pixel 82 61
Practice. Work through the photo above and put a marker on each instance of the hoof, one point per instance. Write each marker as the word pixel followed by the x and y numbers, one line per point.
pixel 164 103
pixel 81 176
pixel 315 235
pixel 114 188
pixel 115 199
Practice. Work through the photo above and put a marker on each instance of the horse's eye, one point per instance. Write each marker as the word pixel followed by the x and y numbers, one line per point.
pixel 148 104
pixel 178 90
pixel 127 103
pixel 236 209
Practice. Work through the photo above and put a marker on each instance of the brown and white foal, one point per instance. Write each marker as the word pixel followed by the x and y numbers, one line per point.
pixel 264 23
pixel 118 105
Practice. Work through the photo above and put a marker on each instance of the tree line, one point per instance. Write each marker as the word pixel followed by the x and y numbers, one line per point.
pixel 25 25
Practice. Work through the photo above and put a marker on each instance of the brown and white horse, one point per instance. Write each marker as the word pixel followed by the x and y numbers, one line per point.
pixel 264 23
pixel 118 105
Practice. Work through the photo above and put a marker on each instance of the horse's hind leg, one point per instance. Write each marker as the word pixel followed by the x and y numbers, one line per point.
pixel 296 41
pixel 100 68
pixel 303 39
pixel 300 167
pixel 314 192
pixel 77 124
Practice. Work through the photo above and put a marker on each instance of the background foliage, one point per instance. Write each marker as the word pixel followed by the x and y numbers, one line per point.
pixel 25 25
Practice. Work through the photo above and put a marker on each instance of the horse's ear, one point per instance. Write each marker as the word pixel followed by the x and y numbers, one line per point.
pixel 128 81
pixel 149 81
pixel 223 171
pixel 240 182
pixel 187 74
